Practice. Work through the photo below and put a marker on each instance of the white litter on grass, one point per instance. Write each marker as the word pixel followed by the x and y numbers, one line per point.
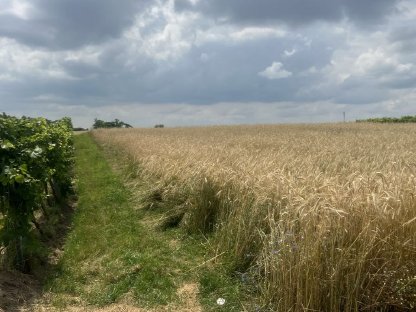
pixel 220 301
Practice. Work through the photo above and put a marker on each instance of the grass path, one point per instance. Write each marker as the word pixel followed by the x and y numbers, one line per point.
pixel 112 256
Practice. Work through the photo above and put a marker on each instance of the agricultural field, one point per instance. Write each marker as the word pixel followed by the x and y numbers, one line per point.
pixel 310 217
pixel 227 218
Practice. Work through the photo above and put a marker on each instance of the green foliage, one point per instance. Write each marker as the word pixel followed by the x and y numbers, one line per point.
pixel 403 119
pixel 36 158
pixel 110 124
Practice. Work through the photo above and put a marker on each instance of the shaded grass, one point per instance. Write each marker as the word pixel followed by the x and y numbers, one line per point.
pixel 111 254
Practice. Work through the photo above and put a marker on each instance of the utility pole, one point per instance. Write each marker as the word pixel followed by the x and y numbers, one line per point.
pixel 343 113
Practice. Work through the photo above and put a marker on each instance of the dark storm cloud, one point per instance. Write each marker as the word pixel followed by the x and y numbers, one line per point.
pixel 294 12
pixel 360 91
pixel 79 69
pixel 30 33
pixel 209 73
pixel 69 24
pixel 404 38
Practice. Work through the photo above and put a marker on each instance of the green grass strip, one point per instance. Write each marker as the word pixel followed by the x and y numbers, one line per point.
pixel 111 255
pixel 107 253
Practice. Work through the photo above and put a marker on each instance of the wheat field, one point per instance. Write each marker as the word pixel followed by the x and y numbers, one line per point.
pixel 314 217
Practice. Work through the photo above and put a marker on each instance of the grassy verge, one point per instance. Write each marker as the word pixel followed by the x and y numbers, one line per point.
pixel 113 253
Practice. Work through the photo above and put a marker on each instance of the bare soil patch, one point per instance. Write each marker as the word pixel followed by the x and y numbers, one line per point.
pixel 17 291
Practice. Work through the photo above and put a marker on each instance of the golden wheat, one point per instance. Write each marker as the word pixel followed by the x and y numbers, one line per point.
pixel 321 217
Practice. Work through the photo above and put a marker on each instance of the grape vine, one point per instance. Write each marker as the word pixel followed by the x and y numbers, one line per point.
pixel 36 158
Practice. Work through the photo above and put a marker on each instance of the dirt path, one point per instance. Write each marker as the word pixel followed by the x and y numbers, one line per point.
pixel 17 291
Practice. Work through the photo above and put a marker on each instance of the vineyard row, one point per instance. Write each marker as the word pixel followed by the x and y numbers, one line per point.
pixel 36 158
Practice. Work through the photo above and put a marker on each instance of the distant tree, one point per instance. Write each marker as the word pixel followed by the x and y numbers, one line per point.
pixel 403 119
pixel 159 126
pixel 110 124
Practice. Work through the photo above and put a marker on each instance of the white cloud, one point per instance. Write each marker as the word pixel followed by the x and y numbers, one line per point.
pixel 371 57
pixel 252 33
pixel 407 9
pixel 18 61
pixel 89 55
pixel 378 60
pixel 225 33
pixel 161 33
pixel 19 8
pixel 288 53
pixel 275 71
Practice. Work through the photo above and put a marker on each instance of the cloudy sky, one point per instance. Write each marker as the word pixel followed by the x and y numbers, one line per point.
pixel 199 62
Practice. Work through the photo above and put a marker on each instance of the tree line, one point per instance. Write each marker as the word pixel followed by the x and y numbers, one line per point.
pixel 110 124
pixel 403 119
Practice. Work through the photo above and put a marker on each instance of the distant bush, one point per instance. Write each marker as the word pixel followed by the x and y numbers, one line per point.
pixel 110 124
pixel 403 119
pixel 159 126
pixel 79 129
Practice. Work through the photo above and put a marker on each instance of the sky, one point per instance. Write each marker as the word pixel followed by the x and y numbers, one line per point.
pixel 208 62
